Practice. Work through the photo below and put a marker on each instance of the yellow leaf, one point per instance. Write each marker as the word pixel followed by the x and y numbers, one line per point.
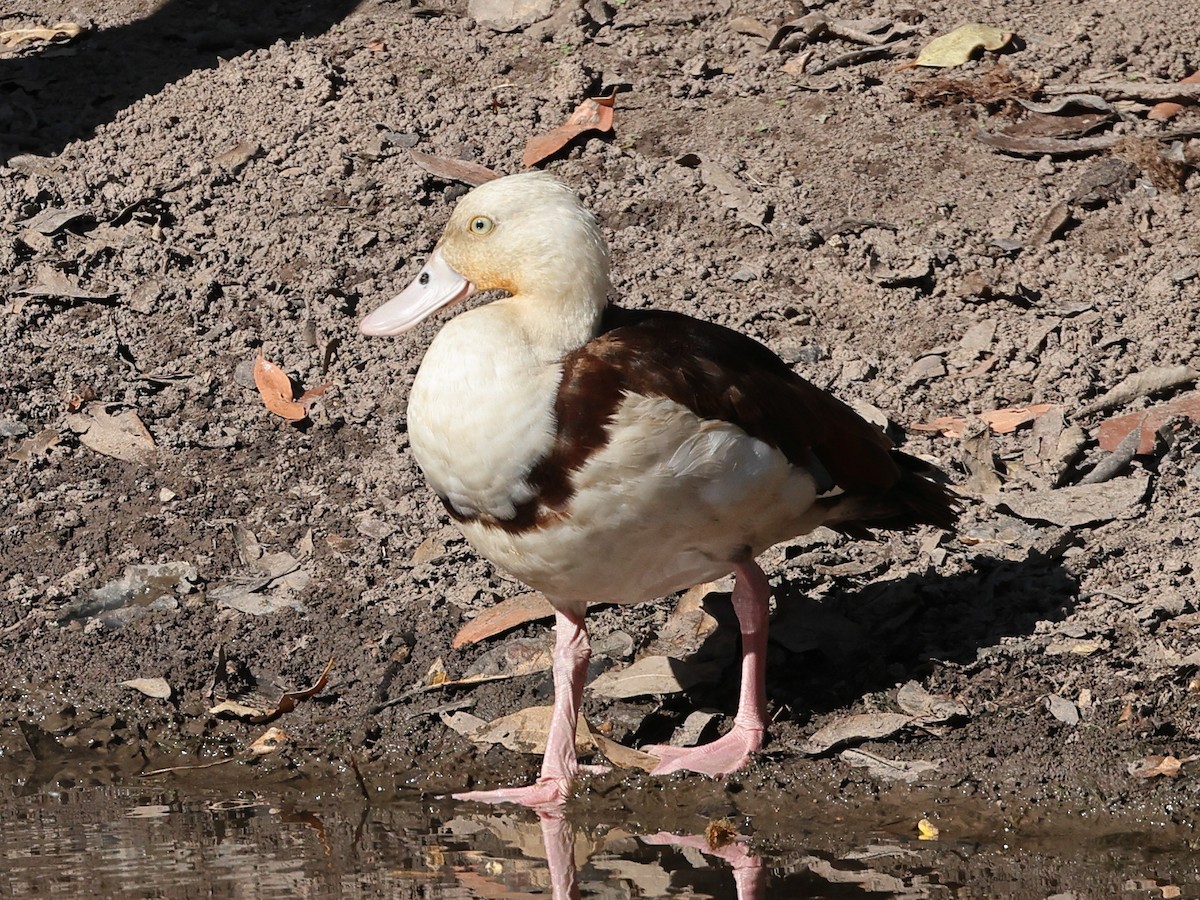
pixel 959 45
pixel 927 831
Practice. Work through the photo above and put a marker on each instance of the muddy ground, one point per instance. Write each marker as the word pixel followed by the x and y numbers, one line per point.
pixel 190 185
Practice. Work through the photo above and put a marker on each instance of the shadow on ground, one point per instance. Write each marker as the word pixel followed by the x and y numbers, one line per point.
pixel 64 94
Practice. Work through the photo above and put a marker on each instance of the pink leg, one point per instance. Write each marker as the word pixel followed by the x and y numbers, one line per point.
pixel 559 767
pixel 732 751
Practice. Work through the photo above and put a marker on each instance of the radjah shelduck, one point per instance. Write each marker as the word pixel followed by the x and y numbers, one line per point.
pixel 609 455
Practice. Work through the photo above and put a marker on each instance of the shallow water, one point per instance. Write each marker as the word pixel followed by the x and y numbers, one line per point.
pixel 187 840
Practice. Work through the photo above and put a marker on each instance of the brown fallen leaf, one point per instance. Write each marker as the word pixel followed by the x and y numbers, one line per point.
pixel 505 615
pixel 1147 423
pixel 1046 146
pixel 906 770
pixel 236 710
pixel 279 394
pixel 593 114
pixel 1161 112
pixel 453 169
pixel 1000 421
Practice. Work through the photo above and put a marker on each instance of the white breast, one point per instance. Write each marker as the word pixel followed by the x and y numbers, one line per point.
pixel 481 413
pixel 671 501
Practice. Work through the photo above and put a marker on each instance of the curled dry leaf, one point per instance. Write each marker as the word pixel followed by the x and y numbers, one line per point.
pixel 270 741
pixel 286 703
pixel 506 614
pixel 62 32
pixel 279 394
pixel 593 114
pixel 958 46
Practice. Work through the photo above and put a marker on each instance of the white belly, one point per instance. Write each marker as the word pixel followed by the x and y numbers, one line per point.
pixel 671 501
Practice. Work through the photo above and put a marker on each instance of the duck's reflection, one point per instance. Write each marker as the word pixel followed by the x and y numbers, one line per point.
pixel 567 849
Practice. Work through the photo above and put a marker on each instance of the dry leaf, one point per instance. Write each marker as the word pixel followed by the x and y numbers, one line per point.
pixel 624 757
pixel 1141 384
pixel 751 208
pixel 236 157
pixel 436 675
pixel 158 688
pixel 53 283
pixel 68 31
pixel 508 15
pixel 1062 709
pixel 927 708
pixel 959 45
pixel 275 387
pixel 506 614
pixel 1160 112
pixel 1000 421
pixel 37 446
pixel 513 659
pixel 277 391
pixel 690 626
pixel 593 114
pixel 853 729
pixel 655 675
pixel 927 831
pixel 1080 504
pixel 906 770
pixel 236 710
pixel 1113 431
pixel 286 703
pixel 122 436
pixel 1150 766
pixel 268 742
pixel 525 731
pixel 453 169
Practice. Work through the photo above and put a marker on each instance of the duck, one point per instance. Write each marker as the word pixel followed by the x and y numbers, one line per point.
pixel 603 454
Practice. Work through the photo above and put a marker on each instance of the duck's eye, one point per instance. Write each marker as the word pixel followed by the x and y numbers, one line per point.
pixel 481 225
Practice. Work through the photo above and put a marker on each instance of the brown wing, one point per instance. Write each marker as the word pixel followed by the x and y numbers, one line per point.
pixel 723 375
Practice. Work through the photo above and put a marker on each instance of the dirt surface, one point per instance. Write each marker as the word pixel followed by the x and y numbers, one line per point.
pixel 234 183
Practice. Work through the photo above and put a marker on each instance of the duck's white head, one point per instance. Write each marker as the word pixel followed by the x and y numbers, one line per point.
pixel 526 234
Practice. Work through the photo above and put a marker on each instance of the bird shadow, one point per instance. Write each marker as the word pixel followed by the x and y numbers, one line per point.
pixel 64 93
pixel 825 655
